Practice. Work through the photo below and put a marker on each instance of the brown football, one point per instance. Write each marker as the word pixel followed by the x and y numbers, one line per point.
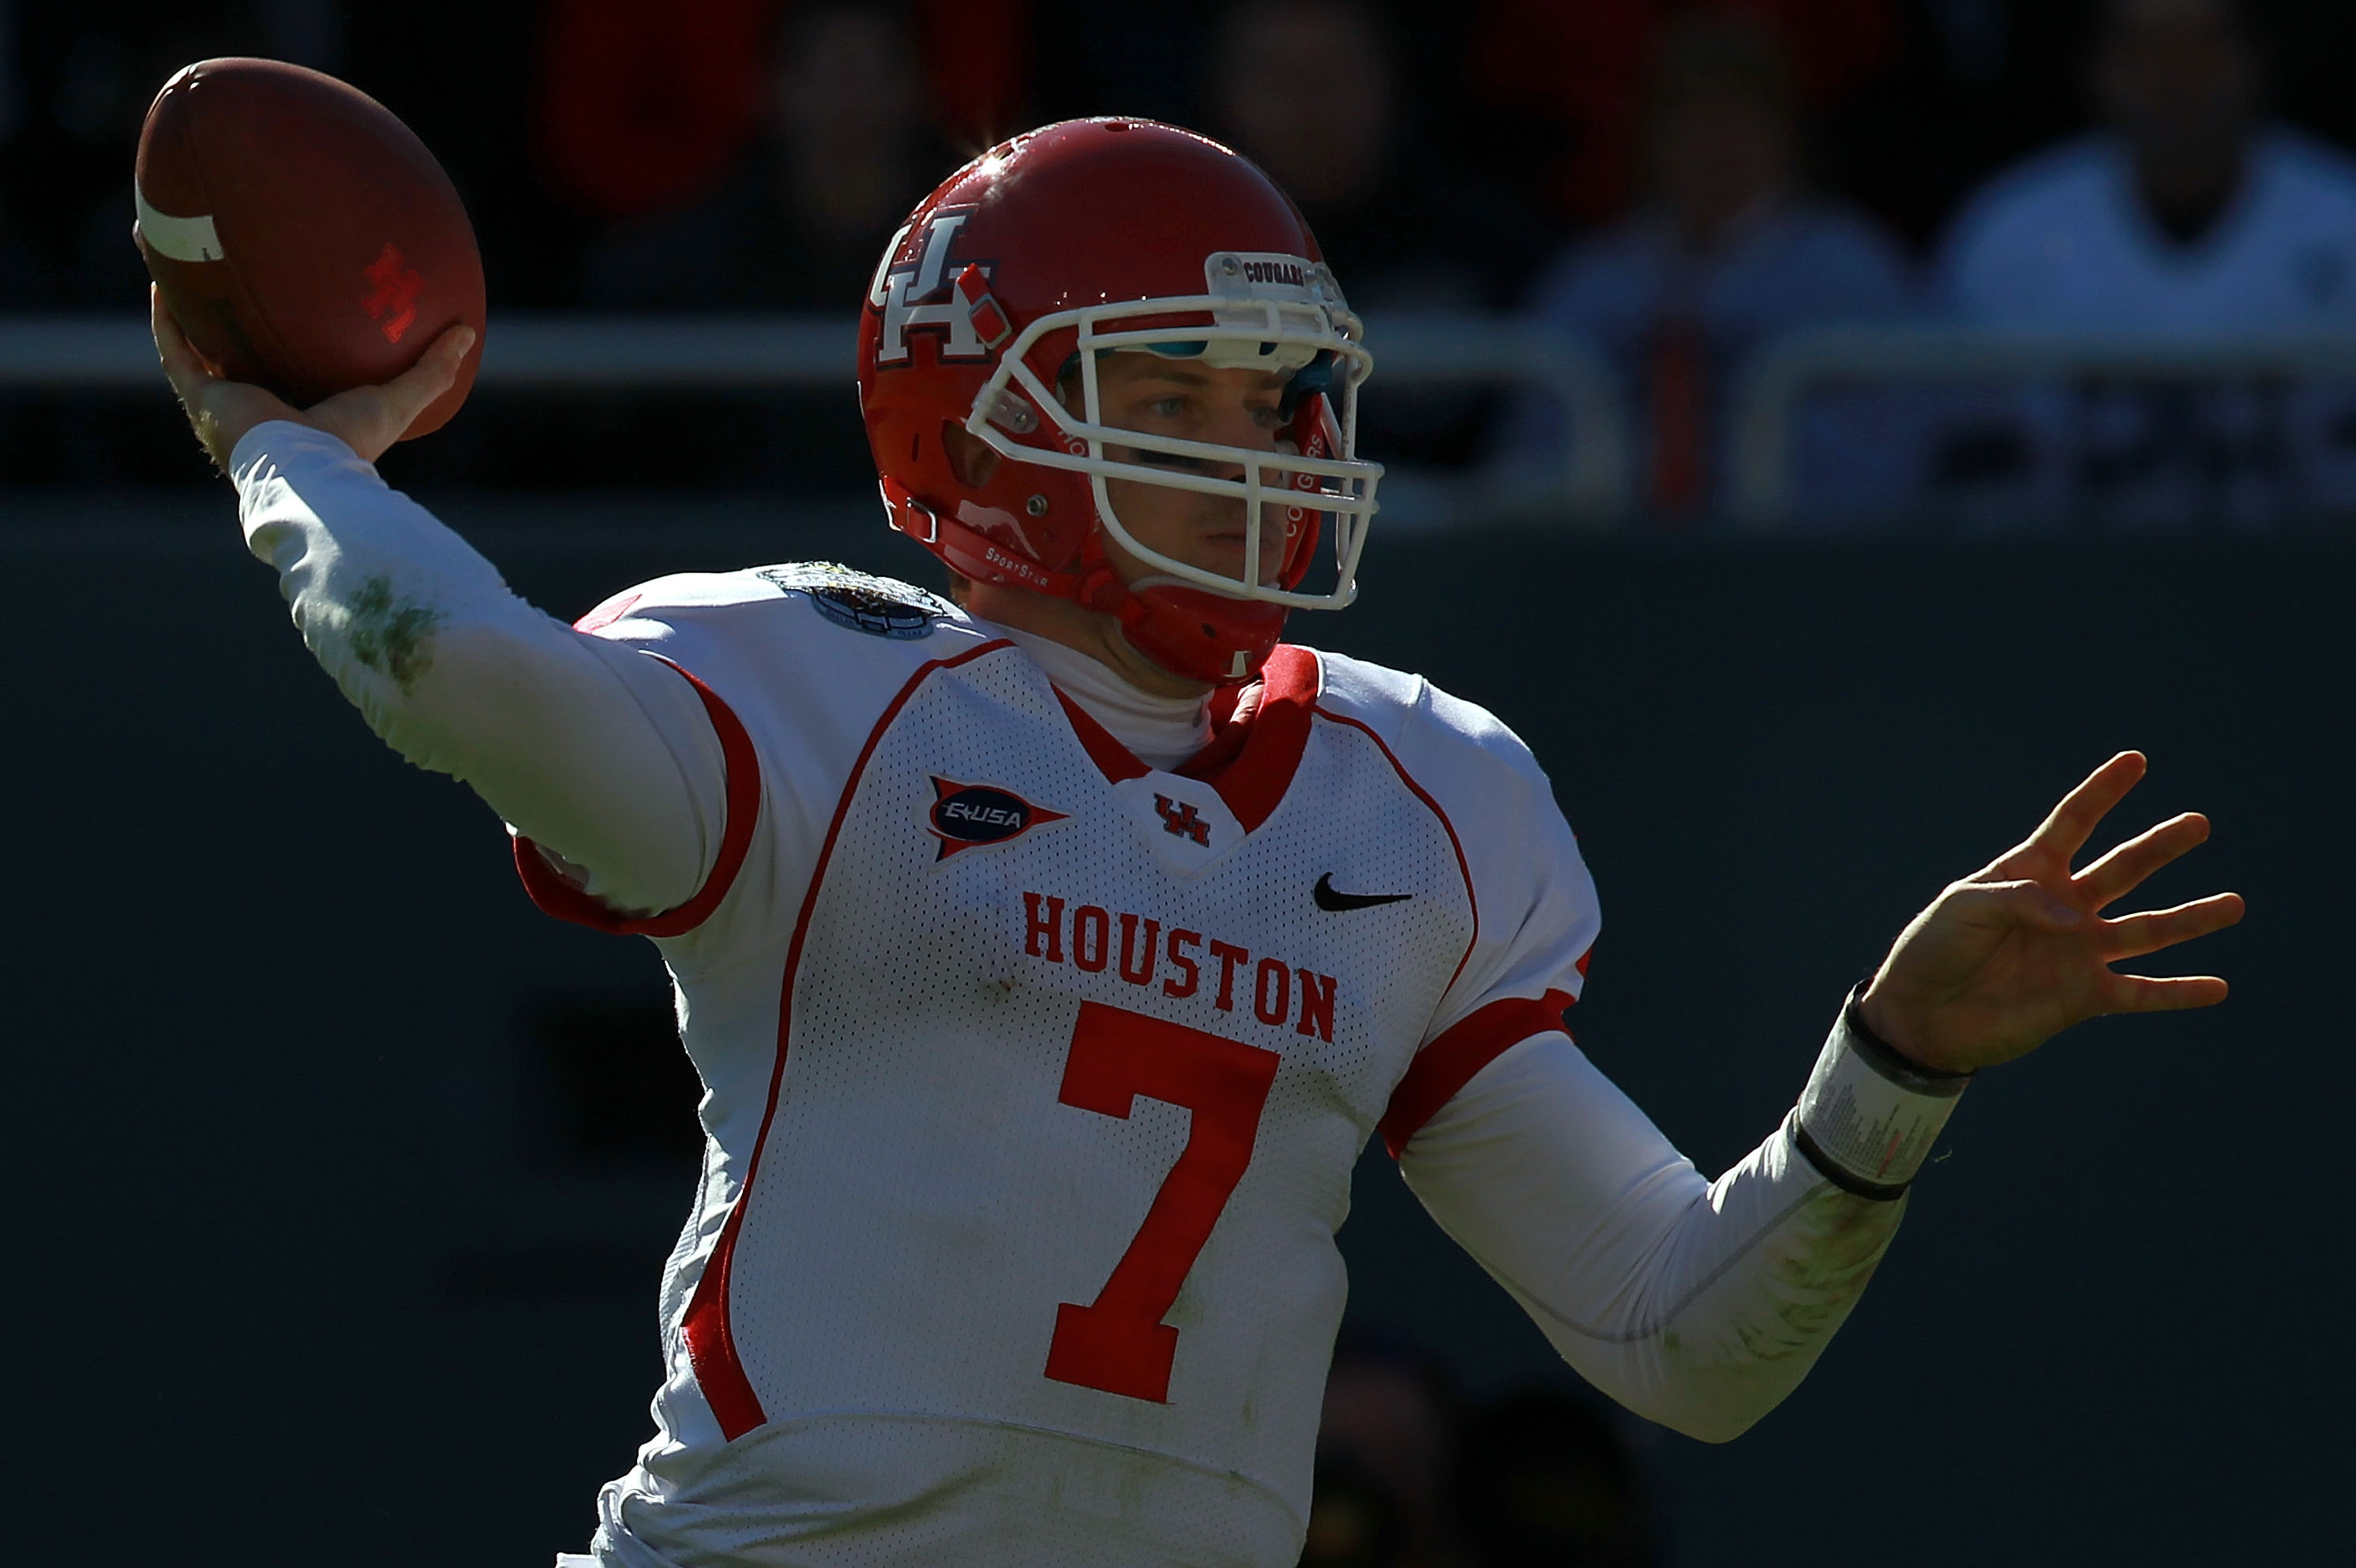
pixel 301 236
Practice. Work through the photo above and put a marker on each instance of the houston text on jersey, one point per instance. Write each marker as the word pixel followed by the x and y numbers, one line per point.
pixel 1084 939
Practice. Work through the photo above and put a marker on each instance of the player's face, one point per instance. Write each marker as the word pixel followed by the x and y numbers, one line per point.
pixel 1184 398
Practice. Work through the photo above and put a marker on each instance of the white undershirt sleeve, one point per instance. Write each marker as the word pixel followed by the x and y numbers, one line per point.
pixel 595 751
pixel 1697 1305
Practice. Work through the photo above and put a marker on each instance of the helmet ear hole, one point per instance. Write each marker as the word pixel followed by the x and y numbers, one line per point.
pixel 973 460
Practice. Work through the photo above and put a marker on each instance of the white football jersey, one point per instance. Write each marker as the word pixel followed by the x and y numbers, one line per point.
pixel 1035 1077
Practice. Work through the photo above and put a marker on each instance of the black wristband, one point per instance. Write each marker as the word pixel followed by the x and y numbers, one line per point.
pixel 1827 1168
pixel 1888 1059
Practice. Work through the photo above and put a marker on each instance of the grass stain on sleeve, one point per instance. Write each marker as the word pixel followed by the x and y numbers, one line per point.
pixel 393 636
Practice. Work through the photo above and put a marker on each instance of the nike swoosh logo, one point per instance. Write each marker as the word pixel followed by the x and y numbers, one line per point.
pixel 1333 903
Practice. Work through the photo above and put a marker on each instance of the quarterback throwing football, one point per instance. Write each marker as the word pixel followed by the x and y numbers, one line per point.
pixel 1049 956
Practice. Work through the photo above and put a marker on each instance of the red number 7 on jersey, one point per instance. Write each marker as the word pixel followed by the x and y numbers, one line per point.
pixel 1120 1344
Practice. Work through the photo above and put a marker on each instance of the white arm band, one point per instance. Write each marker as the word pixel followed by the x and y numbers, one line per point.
pixel 1869 1116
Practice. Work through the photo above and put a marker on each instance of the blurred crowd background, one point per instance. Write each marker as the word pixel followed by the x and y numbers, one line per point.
pixel 1670 190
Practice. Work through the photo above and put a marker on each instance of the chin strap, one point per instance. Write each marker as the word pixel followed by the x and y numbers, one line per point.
pixel 971 553
pixel 1164 623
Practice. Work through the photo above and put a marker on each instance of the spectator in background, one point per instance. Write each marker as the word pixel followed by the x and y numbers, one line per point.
pixel 799 222
pixel 2186 213
pixel 1311 90
pixel 640 106
pixel 847 149
pixel 1726 253
pixel 1570 77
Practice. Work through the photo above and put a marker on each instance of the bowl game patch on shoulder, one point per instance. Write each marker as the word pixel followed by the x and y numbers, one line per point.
pixel 880 607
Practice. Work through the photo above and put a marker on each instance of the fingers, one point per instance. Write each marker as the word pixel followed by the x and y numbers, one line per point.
pixel 370 419
pixel 2065 831
pixel 2139 934
pixel 2123 869
pixel 194 380
pixel 408 394
pixel 2143 993
pixel 447 351
pixel 183 366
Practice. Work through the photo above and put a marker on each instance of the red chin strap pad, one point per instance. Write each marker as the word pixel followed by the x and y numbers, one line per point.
pixel 967 551
pixel 1201 635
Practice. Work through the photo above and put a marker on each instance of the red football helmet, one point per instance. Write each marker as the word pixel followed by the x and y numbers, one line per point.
pixel 991 308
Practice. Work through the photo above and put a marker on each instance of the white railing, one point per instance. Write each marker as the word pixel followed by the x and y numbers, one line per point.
pixel 1779 379
pixel 552 351
pixel 1589 486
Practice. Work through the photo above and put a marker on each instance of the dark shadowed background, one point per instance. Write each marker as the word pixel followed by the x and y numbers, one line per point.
pixel 327 1253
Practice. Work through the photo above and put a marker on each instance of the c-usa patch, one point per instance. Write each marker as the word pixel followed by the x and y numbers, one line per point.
pixel 880 607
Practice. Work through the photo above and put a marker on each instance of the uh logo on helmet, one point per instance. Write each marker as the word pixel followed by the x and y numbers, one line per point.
pixel 993 305
pixel 923 295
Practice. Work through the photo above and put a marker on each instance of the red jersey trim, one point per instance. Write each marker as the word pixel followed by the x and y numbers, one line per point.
pixel 1254 784
pixel 742 769
pixel 609 612
pixel 1463 867
pixel 1250 766
pixel 711 1339
pixel 1462 1050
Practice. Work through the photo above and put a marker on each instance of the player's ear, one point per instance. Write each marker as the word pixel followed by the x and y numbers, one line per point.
pixel 971 459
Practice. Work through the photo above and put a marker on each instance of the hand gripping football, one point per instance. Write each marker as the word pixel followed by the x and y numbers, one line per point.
pixel 301 236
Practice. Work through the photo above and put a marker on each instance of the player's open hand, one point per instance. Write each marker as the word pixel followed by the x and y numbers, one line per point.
pixel 2015 954
pixel 366 419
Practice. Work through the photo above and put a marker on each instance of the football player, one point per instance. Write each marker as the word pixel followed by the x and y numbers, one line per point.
pixel 1048 956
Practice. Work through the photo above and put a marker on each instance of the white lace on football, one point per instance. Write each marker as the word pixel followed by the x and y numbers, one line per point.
pixel 1266 311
